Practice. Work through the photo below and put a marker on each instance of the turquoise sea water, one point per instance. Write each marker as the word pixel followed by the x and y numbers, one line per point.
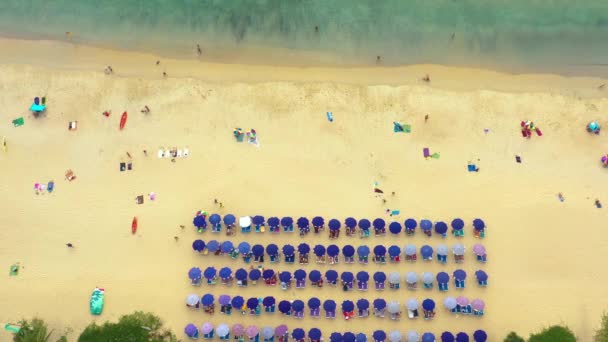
pixel 564 36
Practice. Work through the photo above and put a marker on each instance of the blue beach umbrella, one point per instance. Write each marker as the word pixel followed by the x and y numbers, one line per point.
pixel 442 277
pixel 394 251
pixel 331 275
pixel 257 250
pixel 379 223
pixel 333 250
pixel 314 303
pixel 426 251
pixel 410 223
pixel 215 219
pixel 198 245
pixel 379 335
pixel 441 227
pixel 334 224
pixel 240 274
pixel 303 223
pixel 329 305
pixel 299 274
pixel 253 303
pixel 361 338
pixel 272 249
pixel 347 277
pixel 297 305
pixel 335 337
pixel 319 250
pixel 395 228
pixel 237 302
pixel 229 219
pixel 268 274
pixel 298 334
pixel 268 301
pixel 314 276
pixel 362 276
pixel 460 274
pixel 428 337
pixel 244 247
pixel 227 247
pixel 318 221
pixel 349 337
pixel 287 221
pixel 380 277
pixel 284 306
pixel 225 273
pixel 303 248
pixel 255 274
pixel 258 220
pixel 350 222
pixel 462 337
pixel 447 337
pixel 480 336
pixel 457 224
pixel 285 276
pixel 380 250
pixel 314 334
pixel 207 299
pixel 478 224
pixel 213 246
pixel 364 224
pixel 363 304
pixel 288 250
pixel 379 303
pixel 348 251
pixel 194 273
pixel 428 304
pixel 426 224
pixel 273 222
pixel 481 275
pixel 363 251
pixel 199 221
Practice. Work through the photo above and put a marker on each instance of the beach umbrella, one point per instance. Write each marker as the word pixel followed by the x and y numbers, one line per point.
pixel 299 274
pixel 450 303
pixel 286 221
pixel 393 307
pixel 348 306
pixel 479 249
pixel 410 224
pixel 334 224
pixel 198 245
pixel 272 249
pixel 318 221
pixel 224 299
pixel 267 333
pixel 459 274
pixel 207 299
pixel 379 336
pixel 481 275
pixel 478 304
pixel 192 300
pixel 428 304
pixel 244 247
pixel 443 277
pixel 441 227
pixel 409 250
pixel 303 223
pixel 412 304
pixel 428 278
pixel 273 222
pixel 281 330
pixel 223 330
pixel 363 251
pixel 199 221
pixel 347 277
pixel 349 337
pixel 478 224
pixel 442 250
pixel 335 337
pixel 412 336
pixel 457 224
pixel 284 306
pixel 447 337
pixel 350 222
pixel 361 337
pixel 462 301
pixel 314 276
pixel 394 278
pixel 428 337
pixel 229 219
pixel 257 250
pixel 380 277
pixel 364 224
pixel 458 249
pixel 245 221
pixel 426 251
pixel 333 250
pixel 379 303
pixel 314 334
pixel 331 275
pixel 268 301
pixel 298 334
pixel 227 247
pixel 426 224
pixel 411 277
pixel 213 246
pixel 285 276
pixel 288 250
pixel 238 329
pixel 395 227
pixel 191 330
pixel 215 219
pixel 194 273
pixel 348 251
pixel 319 250
pixel 240 274
pixel 258 220
pixel 237 302
pixel 462 337
pixel 207 328
pixel 252 331
pixel 395 336
pixel 255 274
pixel 225 273
pixel 252 303
pixel 362 276
pixel 314 303
pixel 394 251
pixel 379 223
pixel 329 305
pixel 480 336
pixel 297 305
pixel 380 250
pixel 303 248
pixel 362 304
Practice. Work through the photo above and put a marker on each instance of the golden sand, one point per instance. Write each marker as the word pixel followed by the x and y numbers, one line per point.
pixel 545 256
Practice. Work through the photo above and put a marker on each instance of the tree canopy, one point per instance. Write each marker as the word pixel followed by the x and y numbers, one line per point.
pixel 553 334
pixel 35 330
pixel 601 334
pixel 138 326
pixel 513 337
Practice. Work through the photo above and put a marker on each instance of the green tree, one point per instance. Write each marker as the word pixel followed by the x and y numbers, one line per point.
pixel 35 330
pixel 138 326
pixel 556 333
pixel 601 334
pixel 513 337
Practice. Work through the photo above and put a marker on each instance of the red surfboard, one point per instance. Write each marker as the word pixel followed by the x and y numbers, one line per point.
pixel 134 225
pixel 123 120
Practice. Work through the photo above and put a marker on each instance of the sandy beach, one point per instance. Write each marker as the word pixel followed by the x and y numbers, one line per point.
pixel 545 256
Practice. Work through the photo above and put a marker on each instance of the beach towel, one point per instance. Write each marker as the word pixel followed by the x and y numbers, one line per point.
pixel 435 155
pixel 330 117
pixel 123 167
pixel 395 212
pixel 14 270
pixel 139 199
pixel 472 168
pixel 12 328
pixel 18 122
pixel 51 186
pixel 400 128
pixel 426 152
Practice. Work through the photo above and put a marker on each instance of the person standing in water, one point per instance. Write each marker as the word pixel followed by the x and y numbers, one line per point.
pixel 199 51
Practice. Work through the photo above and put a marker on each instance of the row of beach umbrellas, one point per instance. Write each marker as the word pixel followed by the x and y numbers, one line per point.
pixel 224 331
pixel 287 222
pixel 258 250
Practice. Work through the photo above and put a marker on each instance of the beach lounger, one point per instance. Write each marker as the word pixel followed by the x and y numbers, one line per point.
pixel 467 309
pixel 362 286
pixel 456 309
pixel 428 286
pixel 298 314
pixel 483 283
pixel 300 284
pixel 315 313
pixel 482 258
pixel 363 313
pixel 330 314
pixel 478 312
pixel 179 154
pixel 443 286
pixel 442 258
pixel 459 284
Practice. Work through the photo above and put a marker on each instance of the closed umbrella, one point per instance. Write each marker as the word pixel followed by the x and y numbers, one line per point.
pixel 428 278
pixel 252 303
pixel 348 306
pixel 380 277
pixel 364 224
pixel 394 278
pixel 394 251
pixel 457 224
pixel 244 247
pixel 481 275
pixel 458 249
pixel 335 337
pixel 426 224
pixel 257 250
pixel 412 304
pixel 478 224
pixel 395 227
pixel 349 337
pixel 314 334
pixel 281 330
pixel 229 219
pixel 240 274
pixel 299 274
pixel 428 337
pixel 350 222
pixel 318 221
pixel 427 252
pixel 441 227
pixel 252 331
pixel 334 224
pixel 192 300
pixel 268 301
pixel 480 336
pixel 319 250
pixel 223 330
pixel 379 223
pixel 302 223
pixel 227 247
pixel 255 274
pixel 393 307
pixel 442 250
pixel 363 251
pixel 412 336
pixel 379 335
pixel 273 222
pixel 450 303
pixel 238 302
pixel 224 299
pixel 462 301
pixel 207 328
pixel 267 333
pixel 379 304
pixel 207 299
pixel 362 304
pixel 462 337
pixel 329 305
pixel 478 304
pixel 198 245
pixel 447 337
pixel 395 336
pixel 258 220
pixel 479 249
pixel 298 334
pixel 238 329
pixel 213 246
pixel 191 330
pixel 428 304
pixel 225 273
pixel 314 276
pixel 411 277
pixel 348 251
pixel 409 250
pixel 460 275
pixel 284 306
pixel 333 250
pixel 289 250
pixel 194 273
pixel 303 248
pixel 314 303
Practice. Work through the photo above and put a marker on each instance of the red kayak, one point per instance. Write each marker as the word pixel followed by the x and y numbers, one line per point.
pixel 134 225
pixel 123 120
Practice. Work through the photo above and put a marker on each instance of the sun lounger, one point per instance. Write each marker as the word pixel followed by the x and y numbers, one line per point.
pixel 428 286
pixel 442 258
pixel 362 286
pixel 298 314
pixel 482 258
pixel 456 309
pixel 362 313
pixel 315 313
pixel 300 284
pixel 179 154
pixel 478 312
pixel 443 286
pixel 459 284
pixel 467 309
pixel 330 314
pixel 482 283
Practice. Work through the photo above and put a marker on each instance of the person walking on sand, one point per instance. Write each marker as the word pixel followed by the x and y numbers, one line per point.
pixel 108 70
pixel 146 110
pixel 426 118
pixel 70 245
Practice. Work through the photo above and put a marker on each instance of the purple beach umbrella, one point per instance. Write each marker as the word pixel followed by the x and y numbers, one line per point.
pixel 252 331
pixel 207 328
pixel 281 330
pixel 224 299
pixel 191 330
pixel 238 329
